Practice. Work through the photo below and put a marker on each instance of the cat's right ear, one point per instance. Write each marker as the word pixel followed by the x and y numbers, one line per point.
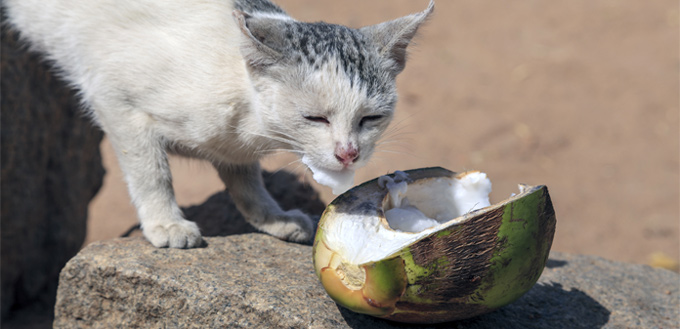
pixel 257 32
pixel 393 37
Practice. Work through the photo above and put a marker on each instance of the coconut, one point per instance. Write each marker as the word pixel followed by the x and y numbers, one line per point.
pixel 338 180
pixel 426 246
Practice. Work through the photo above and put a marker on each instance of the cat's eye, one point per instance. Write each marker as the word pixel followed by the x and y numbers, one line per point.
pixel 369 118
pixel 317 119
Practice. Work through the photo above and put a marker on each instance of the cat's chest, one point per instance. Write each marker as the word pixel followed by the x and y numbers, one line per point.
pixel 234 137
pixel 237 150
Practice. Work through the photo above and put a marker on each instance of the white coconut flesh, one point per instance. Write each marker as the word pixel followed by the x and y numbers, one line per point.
pixel 339 181
pixel 412 210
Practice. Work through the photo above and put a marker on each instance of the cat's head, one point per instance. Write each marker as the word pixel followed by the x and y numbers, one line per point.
pixel 327 90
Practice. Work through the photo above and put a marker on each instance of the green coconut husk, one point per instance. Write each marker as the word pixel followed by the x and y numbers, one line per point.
pixel 469 266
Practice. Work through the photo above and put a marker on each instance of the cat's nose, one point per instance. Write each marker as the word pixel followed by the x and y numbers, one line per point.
pixel 347 154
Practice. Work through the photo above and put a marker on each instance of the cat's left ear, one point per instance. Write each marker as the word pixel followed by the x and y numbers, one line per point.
pixel 394 36
pixel 263 40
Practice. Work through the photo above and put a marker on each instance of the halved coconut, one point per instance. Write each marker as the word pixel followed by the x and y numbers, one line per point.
pixel 470 262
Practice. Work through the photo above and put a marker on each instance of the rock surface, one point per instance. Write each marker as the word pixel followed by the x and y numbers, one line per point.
pixel 51 168
pixel 256 281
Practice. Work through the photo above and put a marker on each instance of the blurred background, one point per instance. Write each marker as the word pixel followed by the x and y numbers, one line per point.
pixel 580 95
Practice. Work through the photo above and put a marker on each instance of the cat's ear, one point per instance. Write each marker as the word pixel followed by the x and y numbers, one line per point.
pixel 264 39
pixel 394 36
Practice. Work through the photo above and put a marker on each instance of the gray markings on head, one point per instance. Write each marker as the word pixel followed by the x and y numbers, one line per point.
pixel 317 44
pixel 370 57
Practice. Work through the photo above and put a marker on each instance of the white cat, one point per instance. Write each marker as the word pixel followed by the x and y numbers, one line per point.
pixel 223 80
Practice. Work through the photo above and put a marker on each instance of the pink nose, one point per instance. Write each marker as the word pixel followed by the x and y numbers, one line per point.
pixel 346 155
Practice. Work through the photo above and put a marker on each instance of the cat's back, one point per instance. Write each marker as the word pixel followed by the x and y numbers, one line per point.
pixel 95 23
pixel 96 40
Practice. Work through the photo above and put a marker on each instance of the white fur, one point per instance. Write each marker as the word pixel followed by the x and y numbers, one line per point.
pixel 159 75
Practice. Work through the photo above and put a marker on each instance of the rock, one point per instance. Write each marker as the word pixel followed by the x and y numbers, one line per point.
pixel 51 168
pixel 256 281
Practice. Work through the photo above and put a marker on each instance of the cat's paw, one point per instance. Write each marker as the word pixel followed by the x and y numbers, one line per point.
pixel 175 234
pixel 292 225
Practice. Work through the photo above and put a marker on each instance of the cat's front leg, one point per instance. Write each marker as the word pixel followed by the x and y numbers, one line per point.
pixel 246 188
pixel 144 162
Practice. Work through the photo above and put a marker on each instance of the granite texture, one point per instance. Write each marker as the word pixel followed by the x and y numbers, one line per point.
pixel 51 169
pixel 256 281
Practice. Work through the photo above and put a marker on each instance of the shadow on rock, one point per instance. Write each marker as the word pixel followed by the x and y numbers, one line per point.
pixel 554 263
pixel 218 216
pixel 544 306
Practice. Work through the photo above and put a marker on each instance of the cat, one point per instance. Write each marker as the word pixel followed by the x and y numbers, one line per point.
pixel 227 81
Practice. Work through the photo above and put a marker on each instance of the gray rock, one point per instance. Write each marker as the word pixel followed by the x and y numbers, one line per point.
pixel 51 169
pixel 256 281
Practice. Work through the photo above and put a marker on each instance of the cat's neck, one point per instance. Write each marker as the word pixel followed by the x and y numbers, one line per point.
pixel 251 131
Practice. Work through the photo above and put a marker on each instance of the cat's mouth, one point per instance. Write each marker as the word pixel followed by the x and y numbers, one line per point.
pixel 338 180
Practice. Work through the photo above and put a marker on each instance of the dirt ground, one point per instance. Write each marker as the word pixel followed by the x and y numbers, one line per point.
pixel 579 95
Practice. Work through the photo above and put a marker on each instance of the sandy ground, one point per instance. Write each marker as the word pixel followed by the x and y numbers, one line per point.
pixel 579 95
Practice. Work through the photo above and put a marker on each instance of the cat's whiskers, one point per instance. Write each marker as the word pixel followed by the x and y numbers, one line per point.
pixel 291 140
pixel 402 153
pixel 396 133
pixel 293 170
pixel 400 137
pixel 280 150
pixel 285 139
pixel 395 142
